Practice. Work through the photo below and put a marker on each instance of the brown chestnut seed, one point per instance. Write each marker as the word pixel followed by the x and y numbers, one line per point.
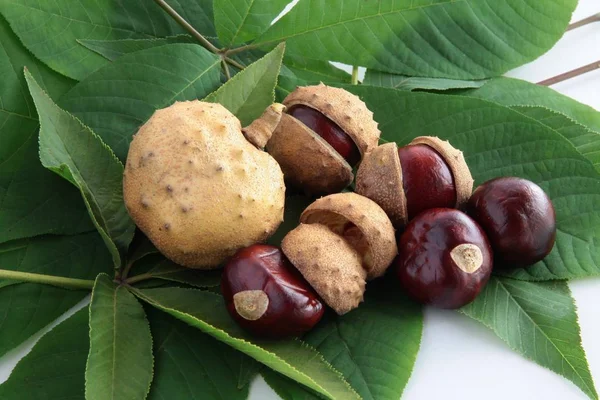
pixel 267 296
pixel 445 258
pixel 328 130
pixel 426 179
pixel 519 220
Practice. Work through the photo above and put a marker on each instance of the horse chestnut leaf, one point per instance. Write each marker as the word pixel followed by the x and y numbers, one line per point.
pixel 518 217
pixel 267 296
pixel 445 258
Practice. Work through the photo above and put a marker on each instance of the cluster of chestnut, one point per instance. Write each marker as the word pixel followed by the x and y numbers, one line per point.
pixel 413 209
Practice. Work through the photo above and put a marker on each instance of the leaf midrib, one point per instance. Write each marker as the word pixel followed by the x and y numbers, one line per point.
pixel 244 18
pixel 539 328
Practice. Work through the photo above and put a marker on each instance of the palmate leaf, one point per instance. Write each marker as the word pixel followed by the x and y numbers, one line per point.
pixel 55 367
pixel 374 346
pixel 240 21
pixel 469 39
pixel 74 152
pixel 539 321
pixel 499 141
pixel 50 29
pixel 158 267
pixel 192 365
pixel 515 92
pixel 113 49
pixel 206 311
pixel 120 97
pixel 25 308
pixel 286 388
pixel 120 362
pixel 403 82
pixel 33 200
pixel 249 92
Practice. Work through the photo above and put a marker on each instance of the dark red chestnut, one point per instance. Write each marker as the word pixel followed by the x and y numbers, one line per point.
pixel 328 130
pixel 426 178
pixel 267 296
pixel 518 217
pixel 444 258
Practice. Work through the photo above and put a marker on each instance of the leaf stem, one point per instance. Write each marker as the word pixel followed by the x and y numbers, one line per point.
pixel 186 25
pixel 241 48
pixel 354 79
pixel 69 283
pixel 138 278
pixel 226 69
pixel 234 63
pixel 583 22
pixel 571 74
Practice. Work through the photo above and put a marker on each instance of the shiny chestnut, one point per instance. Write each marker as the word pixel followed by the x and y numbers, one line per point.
pixel 444 258
pixel 267 296
pixel 518 217
pixel 328 130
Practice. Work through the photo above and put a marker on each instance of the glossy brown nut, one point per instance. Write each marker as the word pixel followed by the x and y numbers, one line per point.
pixel 518 217
pixel 267 296
pixel 328 130
pixel 445 258
pixel 426 178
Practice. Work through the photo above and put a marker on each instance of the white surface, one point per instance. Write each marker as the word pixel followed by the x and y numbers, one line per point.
pixel 460 358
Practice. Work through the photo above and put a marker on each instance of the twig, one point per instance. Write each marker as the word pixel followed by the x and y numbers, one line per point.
pixel 583 22
pixel 225 68
pixel 571 74
pixel 354 79
pixel 234 63
pixel 186 25
pixel 70 283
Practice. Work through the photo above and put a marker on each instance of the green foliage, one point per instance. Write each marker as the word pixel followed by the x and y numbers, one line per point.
pixel 470 39
pixel 403 82
pixel 249 92
pixel 158 267
pixel 33 200
pixel 539 321
pixel 55 368
pixel 25 308
pixel 374 346
pixel 113 49
pixel 206 311
pixel 192 365
pixel 286 388
pixel 74 152
pixel 117 99
pixel 120 363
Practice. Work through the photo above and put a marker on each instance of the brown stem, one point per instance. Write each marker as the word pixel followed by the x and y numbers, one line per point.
pixel 583 22
pixel 186 25
pixel 225 68
pixel 234 63
pixel 571 74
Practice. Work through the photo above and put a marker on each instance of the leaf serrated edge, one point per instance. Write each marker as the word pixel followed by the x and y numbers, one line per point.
pixel 87 362
pixel 151 350
pixel 103 230
pixel 84 42
pixel 489 326
pixel 211 330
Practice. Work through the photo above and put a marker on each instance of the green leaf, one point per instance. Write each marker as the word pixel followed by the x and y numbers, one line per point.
pixel 294 205
pixel 315 71
pixel 73 151
pixel 113 49
pixel 55 367
pixel 286 388
pixel 515 92
pixel 50 29
pixel 403 82
pixel 374 346
pixel 539 321
pixel 585 141
pixel 206 311
pixel 249 92
pixel 158 267
pixel 468 39
pixel 249 369
pixel 192 365
pixel 498 141
pixel 33 200
pixel 120 97
pixel 25 308
pixel 120 363
pixel 240 21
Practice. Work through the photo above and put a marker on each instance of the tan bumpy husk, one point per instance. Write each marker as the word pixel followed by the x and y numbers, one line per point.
pixel 374 234
pixel 380 176
pixel 329 264
pixel 197 188
pixel 307 160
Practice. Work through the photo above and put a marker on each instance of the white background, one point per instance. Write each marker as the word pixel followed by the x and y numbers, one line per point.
pixel 460 358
